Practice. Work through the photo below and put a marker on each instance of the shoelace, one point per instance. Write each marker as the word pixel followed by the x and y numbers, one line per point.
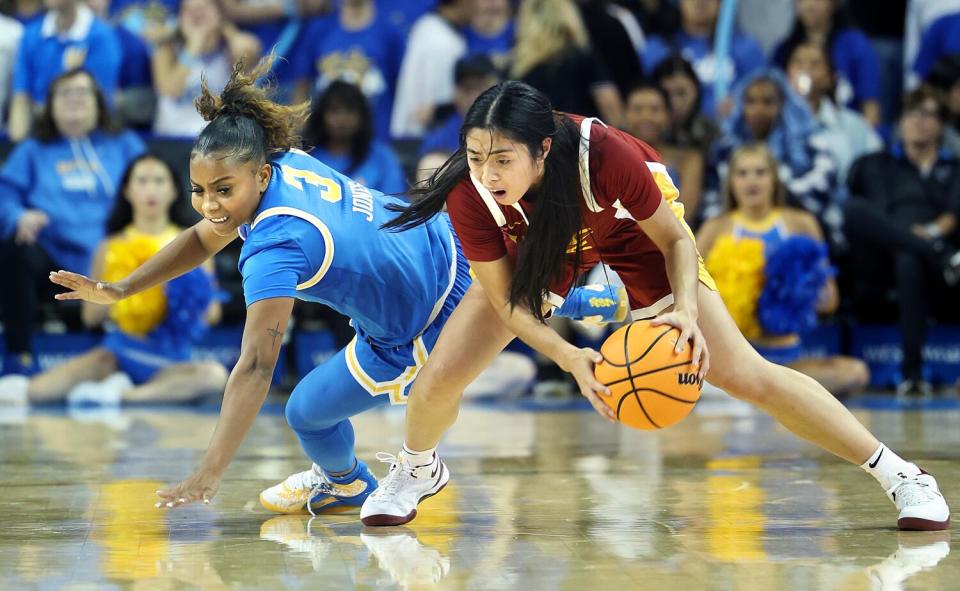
pixel 304 479
pixel 391 482
pixel 918 493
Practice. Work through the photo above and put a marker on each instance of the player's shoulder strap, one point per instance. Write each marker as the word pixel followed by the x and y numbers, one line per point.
pixel 492 205
pixel 585 128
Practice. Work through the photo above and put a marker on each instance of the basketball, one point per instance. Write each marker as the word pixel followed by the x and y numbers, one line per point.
pixel 651 386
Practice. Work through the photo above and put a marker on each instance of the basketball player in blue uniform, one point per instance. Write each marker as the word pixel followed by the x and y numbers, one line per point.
pixel 312 234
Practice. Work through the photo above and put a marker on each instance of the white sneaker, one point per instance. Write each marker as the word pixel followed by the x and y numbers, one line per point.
pixel 408 562
pixel 13 389
pixel 313 490
pixel 291 495
pixel 108 392
pixel 402 489
pixel 921 505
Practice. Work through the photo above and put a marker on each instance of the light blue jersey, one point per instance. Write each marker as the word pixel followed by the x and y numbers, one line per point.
pixel 316 237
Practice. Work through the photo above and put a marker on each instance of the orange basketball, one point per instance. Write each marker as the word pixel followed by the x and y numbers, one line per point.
pixel 651 387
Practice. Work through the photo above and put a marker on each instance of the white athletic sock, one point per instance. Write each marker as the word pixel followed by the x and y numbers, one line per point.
pixel 419 458
pixel 887 467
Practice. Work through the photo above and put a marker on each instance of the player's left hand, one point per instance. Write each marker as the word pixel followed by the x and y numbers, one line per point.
pixel 580 363
pixel 690 332
pixel 199 487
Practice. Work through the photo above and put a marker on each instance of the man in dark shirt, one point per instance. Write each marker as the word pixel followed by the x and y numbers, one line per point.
pixel 903 215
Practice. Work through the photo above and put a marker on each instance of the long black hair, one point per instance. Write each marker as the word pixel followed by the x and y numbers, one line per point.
pixel 122 214
pixel 522 114
pixel 673 65
pixel 340 94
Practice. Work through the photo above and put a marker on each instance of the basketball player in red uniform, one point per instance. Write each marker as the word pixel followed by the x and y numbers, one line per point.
pixel 537 197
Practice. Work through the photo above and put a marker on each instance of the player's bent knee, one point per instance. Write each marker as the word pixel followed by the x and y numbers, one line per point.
pixel 103 356
pixel 858 372
pixel 432 388
pixel 754 382
pixel 301 415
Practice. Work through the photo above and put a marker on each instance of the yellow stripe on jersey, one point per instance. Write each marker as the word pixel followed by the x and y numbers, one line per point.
pixel 671 195
pixel 395 387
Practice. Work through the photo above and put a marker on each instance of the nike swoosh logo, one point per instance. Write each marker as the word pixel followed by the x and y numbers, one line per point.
pixel 434 473
pixel 877 461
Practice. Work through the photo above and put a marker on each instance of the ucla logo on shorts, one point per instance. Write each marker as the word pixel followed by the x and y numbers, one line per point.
pixel 688 379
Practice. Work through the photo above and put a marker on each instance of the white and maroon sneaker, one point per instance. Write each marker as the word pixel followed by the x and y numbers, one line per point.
pixel 920 503
pixel 402 489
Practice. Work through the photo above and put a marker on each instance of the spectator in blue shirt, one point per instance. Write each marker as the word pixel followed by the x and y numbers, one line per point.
pixel 69 36
pixel 472 75
pixel 340 129
pixel 823 22
pixel 148 19
pixel 135 99
pixel 404 14
pixel 491 31
pixel 694 41
pixel 941 39
pixel 56 192
pixel 26 12
pixel 813 77
pixel 281 27
pixel 204 46
pixel 359 45
pixel 767 110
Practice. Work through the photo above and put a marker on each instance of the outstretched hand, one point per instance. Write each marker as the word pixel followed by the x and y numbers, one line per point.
pixel 83 288
pixel 200 486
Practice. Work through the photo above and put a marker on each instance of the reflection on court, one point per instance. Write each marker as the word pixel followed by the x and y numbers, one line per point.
pixel 539 500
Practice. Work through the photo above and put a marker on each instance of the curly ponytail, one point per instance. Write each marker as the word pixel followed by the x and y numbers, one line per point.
pixel 245 125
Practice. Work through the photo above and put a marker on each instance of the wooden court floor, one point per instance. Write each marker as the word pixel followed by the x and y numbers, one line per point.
pixel 550 499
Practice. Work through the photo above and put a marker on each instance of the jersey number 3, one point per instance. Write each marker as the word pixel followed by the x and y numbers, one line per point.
pixel 295 177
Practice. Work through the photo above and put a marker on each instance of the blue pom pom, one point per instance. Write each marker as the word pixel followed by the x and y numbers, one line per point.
pixel 796 273
pixel 188 297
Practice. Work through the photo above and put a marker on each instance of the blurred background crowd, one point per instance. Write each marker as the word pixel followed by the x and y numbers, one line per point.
pixel 834 119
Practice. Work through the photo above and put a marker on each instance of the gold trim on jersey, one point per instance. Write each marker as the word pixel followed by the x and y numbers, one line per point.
pixel 396 387
pixel 319 225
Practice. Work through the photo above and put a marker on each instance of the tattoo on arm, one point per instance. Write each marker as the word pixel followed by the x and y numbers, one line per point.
pixel 275 332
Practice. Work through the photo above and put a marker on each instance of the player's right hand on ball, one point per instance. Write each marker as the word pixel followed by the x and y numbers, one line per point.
pixel 579 363
pixel 83 288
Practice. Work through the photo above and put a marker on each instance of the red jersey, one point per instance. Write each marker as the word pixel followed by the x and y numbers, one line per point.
pixel 622 180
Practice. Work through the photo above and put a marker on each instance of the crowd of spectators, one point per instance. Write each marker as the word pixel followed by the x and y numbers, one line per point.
pixel 858 102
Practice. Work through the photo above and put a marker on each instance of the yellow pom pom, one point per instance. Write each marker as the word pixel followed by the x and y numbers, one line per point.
pixel 737 266
pixel 140 313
